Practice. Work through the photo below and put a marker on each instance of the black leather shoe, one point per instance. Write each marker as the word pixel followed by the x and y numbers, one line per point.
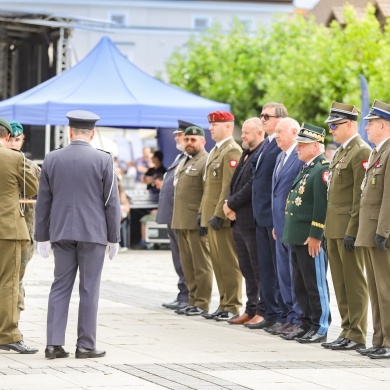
pixel 195 311
pixel 366 351
pixel 261 325
pixel 275 327
pixel 382 353
pixel 347 345
pixel 330 344
pixel 175 305
pixel 299 332
pixel 210 316
pixel 55 351
pixel 19 347
pixel 183 310
pixel 84 353
pixel 225 316
pixel 311 337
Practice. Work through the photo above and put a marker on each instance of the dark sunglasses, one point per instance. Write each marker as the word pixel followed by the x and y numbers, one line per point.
pixel 334 126
pixel 266 116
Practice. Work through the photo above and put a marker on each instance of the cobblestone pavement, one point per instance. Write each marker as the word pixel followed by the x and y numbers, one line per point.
pixel 149 347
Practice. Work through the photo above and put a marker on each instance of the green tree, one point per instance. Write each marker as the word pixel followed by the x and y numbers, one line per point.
pixel 297 62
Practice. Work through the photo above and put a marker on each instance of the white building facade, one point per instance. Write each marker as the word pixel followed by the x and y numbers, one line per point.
pixel 148 32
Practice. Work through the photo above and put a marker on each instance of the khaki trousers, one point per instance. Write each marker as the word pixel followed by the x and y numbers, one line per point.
pixel 9 286
pixel 378 277
pixel 226 269
pixel 350 285
pixel 197 268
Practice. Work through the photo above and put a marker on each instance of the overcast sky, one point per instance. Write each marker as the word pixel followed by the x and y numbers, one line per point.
pixel 305 3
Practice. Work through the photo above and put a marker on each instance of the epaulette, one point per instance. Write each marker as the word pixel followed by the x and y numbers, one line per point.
pixel 105 151
pixel 324 162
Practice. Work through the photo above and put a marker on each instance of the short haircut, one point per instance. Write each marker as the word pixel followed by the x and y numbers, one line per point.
pixel 280 109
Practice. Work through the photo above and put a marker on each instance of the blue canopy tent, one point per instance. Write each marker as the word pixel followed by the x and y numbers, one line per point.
pixel 108 84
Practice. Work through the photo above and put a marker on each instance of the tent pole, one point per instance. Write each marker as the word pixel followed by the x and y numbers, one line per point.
pixel 47 139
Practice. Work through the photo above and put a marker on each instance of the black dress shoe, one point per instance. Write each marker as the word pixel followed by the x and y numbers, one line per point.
pixel 195 311
pixel 347 345
pixel 183 310
pixel 366 351
pixel 55 351
pixel 84 353
pixel 330 344
pixel 275 327
pixel 19 347
pixel 382 353
pixel 298 332
pixel 261 325
pixel 311 337
pixel 210 316
pixel 175 305
pixel 225 316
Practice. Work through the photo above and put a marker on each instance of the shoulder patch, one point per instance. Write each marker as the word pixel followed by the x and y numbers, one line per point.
pixel 233 163
pixel 325 176
pixel 365 164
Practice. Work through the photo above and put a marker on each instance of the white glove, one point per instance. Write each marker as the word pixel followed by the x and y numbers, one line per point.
pixel 113 248
pixel 43 248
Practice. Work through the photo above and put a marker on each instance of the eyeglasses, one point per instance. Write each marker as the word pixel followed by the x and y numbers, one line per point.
pixel 334 126
pixel 266 116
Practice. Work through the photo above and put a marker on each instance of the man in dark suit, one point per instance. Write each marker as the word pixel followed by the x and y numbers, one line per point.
pixel 264 164
pixel 164 216
pixel 78 214
pixel 286 170
pixel 238 208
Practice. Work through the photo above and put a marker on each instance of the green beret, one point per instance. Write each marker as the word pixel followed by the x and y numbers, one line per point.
pixel 17 129
pixel 5 123
pixel 194 130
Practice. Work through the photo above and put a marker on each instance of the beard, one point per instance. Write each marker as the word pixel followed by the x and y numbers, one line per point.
pixel 180 147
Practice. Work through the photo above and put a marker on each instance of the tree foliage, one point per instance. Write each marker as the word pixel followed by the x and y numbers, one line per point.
pixel 297 62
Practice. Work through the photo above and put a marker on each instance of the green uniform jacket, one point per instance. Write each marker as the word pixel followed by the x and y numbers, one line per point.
pixel 29 210
pixel 306 203
pixel 219 171
pixel 374 216
pixel 15 175
pixel 346 173
pixel 188 191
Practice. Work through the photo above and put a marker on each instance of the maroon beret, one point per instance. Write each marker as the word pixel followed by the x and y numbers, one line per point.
pixel 220 116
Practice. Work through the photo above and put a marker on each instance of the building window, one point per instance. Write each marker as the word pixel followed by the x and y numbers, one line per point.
pixel 118 19
pixel 247 23
pixel 201 23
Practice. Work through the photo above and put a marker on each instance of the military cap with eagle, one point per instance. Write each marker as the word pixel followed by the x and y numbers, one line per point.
pixel 340 111
pixel 379 110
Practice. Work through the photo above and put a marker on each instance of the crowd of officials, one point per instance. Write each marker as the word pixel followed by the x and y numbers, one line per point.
pixel 273 212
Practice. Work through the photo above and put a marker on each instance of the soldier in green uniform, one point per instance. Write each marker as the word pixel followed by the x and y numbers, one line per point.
pixel 15 175
pixel 347 170
pixel 303 229
pixel 374 228
pixel 220 166
pixel 193 243
pixel 16 141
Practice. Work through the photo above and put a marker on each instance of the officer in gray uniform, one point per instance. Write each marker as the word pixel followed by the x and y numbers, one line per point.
pixel 78 214
pixel 164 216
